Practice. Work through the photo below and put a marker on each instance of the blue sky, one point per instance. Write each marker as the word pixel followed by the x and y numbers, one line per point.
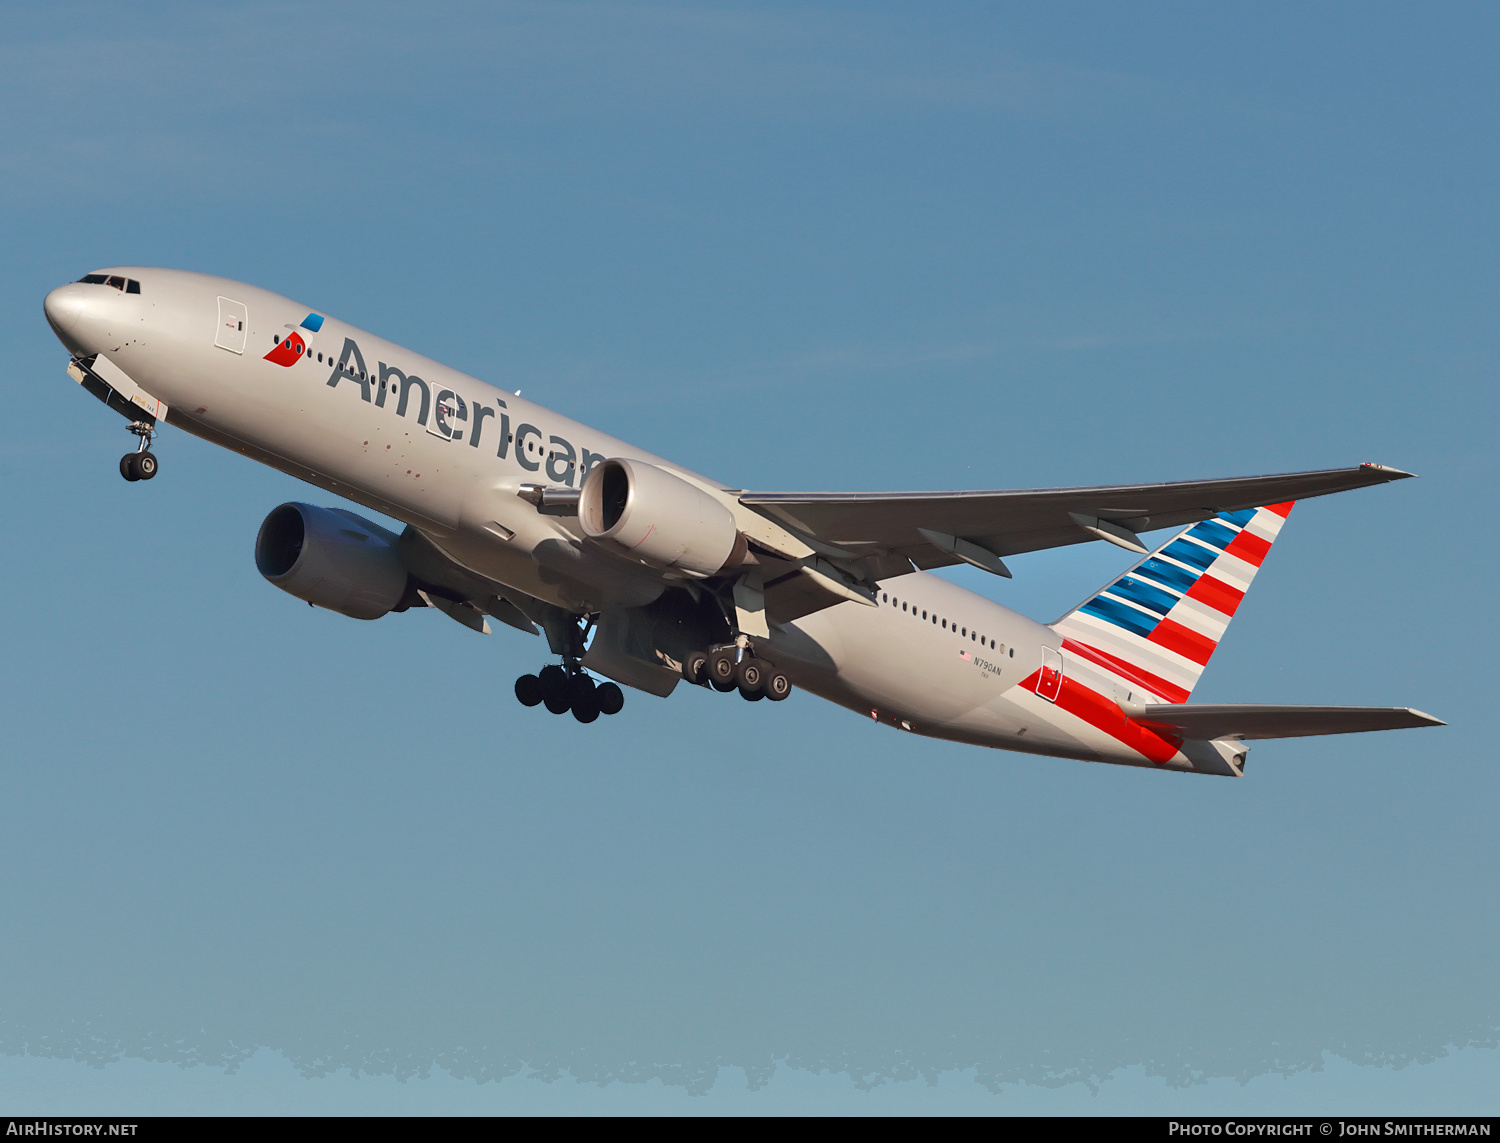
pixel 795 247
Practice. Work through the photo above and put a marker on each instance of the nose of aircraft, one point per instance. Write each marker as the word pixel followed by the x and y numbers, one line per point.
pixel 69 313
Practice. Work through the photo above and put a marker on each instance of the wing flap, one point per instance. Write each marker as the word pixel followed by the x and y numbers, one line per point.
pixel 1203 721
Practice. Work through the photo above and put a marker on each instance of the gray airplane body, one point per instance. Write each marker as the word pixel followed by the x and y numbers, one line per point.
pixel 646 573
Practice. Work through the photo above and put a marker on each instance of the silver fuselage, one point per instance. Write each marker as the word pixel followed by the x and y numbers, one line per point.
pixel 332 420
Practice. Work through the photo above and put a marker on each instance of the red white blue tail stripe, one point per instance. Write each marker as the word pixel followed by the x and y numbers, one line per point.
pixel 1155 627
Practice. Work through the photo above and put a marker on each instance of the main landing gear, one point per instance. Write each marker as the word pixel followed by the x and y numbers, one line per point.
pixel 729 667
pixel 140 464
pixel 561 689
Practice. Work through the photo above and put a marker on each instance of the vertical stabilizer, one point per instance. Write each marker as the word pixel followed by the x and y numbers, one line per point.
pixel 1156 626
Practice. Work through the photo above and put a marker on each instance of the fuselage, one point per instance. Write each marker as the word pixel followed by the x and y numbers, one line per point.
pixel 447 453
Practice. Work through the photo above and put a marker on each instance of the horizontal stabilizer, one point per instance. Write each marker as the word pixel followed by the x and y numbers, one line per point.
pixel 1204 721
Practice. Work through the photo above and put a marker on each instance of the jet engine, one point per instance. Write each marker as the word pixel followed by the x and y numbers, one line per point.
pixel 659 517
pixel 331 558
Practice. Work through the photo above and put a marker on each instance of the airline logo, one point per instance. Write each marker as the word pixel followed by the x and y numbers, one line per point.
pixel 1152 630
pixel 292 348
pixel 1155 627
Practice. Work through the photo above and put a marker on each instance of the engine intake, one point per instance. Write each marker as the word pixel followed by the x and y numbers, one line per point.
pixel 659 517
pixel 331 558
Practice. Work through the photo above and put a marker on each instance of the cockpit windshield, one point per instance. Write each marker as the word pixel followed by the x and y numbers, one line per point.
pixel 128 285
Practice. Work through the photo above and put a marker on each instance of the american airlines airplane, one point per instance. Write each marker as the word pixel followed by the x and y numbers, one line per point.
pixel 647 574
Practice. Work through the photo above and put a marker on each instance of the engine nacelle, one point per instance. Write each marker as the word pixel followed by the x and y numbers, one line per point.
pixel 332 559
pixel 659 517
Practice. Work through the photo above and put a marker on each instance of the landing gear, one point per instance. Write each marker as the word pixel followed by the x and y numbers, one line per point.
pixel 611 698
pixel 557 691
pixel 529 690
pixel 561 691
pixel 730 667
pixel 722 662
pixel 141 464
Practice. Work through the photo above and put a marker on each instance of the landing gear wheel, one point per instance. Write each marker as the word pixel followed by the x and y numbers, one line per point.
pixel 127 466
pixel 778 686
pixel 751 676
pixel 752 696
pixel 610 698
pixel 695 668
pixel 721 671
pixel 529 690
pixel 582 698
pixel 556 689
pixel 145 465
pixel 581 689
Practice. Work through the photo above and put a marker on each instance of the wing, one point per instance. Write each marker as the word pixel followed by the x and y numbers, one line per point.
pixel 1206 721
pixel 936 529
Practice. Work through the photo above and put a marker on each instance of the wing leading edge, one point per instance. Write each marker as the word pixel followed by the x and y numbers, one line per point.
pixel 923 526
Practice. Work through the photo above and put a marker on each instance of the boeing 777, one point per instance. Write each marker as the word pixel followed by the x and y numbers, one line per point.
pixel 647 574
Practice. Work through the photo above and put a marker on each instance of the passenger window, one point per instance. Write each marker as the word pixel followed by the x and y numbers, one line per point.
pixel 885 598
pixel 276 339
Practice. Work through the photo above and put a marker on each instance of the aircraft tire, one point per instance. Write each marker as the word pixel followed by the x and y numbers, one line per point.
pixel 721 670
pixel 145 465
pixel 556 687
pixel 752 696
pixel 529 690
pixel 778 686
pixel 586 709
pixel 695 668
pixel 610 698
pixel 127 467
pixel 751 675
pixel 581 691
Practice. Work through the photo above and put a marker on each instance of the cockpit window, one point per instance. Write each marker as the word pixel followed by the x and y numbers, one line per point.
pixel 129 285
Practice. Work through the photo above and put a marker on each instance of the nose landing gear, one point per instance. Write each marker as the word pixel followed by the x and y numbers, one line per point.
pixel 140 464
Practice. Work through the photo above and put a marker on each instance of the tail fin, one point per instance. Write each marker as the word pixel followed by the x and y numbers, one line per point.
pixel 1155 627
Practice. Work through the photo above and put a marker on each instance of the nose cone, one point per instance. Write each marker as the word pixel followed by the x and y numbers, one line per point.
pixel 73 312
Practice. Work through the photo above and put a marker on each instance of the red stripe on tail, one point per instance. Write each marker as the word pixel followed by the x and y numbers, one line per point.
pixel 1129 671
pixel 1249 547
pixel 1184 640
pixel 1102 714
pixel 1217 594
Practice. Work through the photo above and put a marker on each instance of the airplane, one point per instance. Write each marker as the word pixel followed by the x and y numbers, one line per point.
pixel 649 575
